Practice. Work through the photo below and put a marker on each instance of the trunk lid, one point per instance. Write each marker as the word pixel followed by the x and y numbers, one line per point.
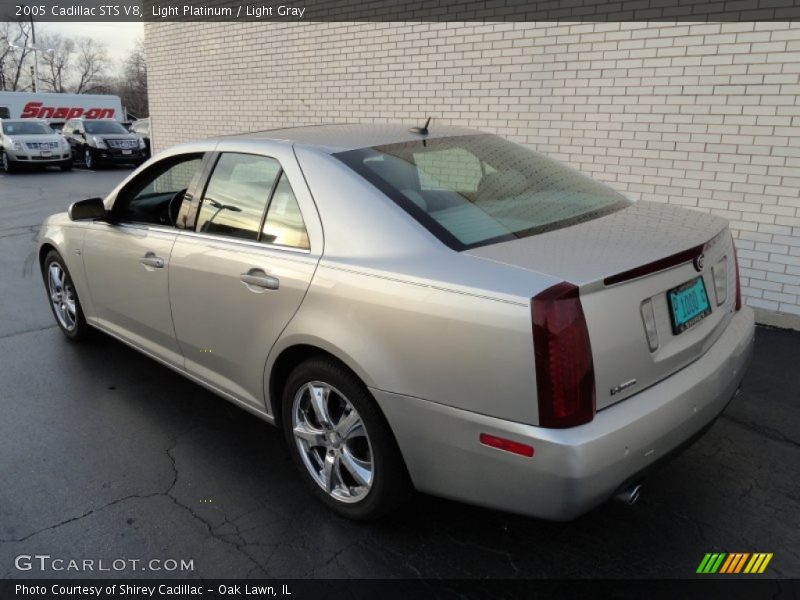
pixel 622 260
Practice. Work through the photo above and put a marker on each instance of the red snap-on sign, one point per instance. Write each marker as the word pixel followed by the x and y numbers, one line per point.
pixel 35 110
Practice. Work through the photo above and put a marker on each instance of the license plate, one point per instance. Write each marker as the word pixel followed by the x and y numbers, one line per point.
pixel 688 304
pixel 127 151
pixel 46 153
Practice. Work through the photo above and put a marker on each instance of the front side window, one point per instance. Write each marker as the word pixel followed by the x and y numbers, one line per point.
pixel 26 128
pixel 476 190
pixel 104 127
pixel 155 196
pixel 237 194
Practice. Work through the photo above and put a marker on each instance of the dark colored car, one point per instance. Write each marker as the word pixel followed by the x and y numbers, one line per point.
pixel 98 142
pixel 142 128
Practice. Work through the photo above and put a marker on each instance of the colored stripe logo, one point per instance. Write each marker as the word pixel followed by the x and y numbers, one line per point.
pixel 734 562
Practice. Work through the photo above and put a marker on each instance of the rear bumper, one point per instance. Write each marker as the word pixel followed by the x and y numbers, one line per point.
pixel 572 470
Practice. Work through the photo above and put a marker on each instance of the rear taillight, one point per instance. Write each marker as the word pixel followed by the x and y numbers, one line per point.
pixel 738 280
pixel 564 365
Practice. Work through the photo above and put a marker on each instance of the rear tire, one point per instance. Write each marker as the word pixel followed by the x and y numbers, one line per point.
pixel 64 302
pixel 350 457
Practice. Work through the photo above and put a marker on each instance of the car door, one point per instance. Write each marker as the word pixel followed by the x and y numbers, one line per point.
pixel 239 278
pixel 126 259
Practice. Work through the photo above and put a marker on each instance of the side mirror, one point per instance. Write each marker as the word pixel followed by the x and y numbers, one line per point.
pixel 87 210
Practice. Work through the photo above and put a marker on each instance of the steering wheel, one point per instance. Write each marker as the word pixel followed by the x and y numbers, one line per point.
pixel 174 206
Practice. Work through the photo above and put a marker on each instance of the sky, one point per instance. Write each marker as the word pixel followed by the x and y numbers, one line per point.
pixel 118 37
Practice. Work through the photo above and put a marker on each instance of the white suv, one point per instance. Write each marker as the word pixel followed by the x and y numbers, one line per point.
pixel 32 142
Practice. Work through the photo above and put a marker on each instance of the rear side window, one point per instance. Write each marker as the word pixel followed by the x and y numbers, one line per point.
pixel 284 225
pixel 237 195
pixel 476 190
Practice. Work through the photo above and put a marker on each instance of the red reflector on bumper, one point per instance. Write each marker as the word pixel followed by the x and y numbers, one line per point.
pixel 507 445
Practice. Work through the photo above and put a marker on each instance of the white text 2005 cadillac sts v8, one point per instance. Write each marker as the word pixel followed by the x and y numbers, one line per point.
pixel 441 310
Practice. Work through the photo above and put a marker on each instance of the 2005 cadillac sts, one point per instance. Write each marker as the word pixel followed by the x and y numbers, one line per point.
pixel 438 310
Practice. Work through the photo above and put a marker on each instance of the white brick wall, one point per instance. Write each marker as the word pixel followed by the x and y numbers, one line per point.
pixel 704 115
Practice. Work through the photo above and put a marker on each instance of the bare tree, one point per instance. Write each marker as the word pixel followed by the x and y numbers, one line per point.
pixel 13 60
pixel 91 64
pixel 132 84
pixel 56 64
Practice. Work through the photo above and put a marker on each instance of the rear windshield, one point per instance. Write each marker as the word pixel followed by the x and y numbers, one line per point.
pixel 104 127
pixel 477 190
pixel 26 128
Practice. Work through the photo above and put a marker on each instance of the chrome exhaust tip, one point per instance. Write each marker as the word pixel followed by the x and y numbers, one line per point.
pixel 629 495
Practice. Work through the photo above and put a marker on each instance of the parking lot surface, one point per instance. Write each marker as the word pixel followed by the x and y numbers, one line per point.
pixel 105 454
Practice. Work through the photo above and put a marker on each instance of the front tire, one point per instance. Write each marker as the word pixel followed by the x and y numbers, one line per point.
pixel 7 163
pixel 88 158
pixel 64 300
pixel 341 443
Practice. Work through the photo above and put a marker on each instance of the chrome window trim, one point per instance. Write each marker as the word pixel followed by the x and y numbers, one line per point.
pixel 210 237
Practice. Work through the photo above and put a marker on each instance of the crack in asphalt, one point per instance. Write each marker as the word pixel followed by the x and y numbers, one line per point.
pixel 168 493
pixel 25 229
pixel 240 547
pixel 27 331
pixel 767 432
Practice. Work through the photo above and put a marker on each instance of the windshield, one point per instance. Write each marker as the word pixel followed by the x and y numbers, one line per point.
pixel 476 190
pixel 104 127
pixel 26 128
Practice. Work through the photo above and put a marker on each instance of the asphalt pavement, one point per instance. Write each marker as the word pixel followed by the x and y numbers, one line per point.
pixel 107 455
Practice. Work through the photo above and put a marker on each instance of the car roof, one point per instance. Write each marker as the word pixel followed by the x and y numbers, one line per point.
pixel 343 137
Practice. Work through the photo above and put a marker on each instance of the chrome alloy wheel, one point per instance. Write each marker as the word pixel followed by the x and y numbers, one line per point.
pixel 333 442
pixel 62 296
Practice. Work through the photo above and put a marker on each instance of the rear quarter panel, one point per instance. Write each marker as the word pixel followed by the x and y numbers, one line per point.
pixel 453 348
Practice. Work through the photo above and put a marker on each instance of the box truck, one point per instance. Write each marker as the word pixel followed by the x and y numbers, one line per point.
pixel 57 108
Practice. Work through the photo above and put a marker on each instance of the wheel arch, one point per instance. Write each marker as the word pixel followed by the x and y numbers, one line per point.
pixel 44 250
pixel 286 360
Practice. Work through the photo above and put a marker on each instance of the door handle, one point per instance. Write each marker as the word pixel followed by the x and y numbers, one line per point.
pixel 151 260
pixel 257 278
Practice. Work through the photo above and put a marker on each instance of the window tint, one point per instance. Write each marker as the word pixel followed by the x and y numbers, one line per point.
pixel 284 225
pixel 475 190
pixel 237 194
pixel 4 113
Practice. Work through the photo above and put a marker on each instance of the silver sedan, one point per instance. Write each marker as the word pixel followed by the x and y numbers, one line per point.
pixel 440 310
